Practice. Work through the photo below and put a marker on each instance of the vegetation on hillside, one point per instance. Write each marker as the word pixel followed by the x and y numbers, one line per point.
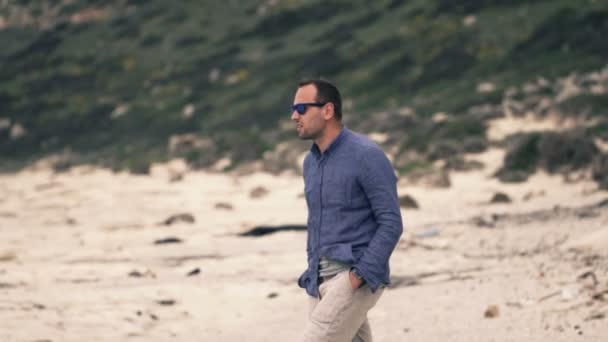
pixel 113 81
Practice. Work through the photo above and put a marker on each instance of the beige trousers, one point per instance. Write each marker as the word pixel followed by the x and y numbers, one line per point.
pixel 340 315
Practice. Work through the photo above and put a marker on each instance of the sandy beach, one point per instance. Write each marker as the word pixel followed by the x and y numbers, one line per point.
pixel 82 258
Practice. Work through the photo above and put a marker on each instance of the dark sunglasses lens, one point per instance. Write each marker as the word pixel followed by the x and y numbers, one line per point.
pixel 301 108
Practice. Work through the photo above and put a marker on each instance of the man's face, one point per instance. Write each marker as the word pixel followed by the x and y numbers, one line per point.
pixel 311 124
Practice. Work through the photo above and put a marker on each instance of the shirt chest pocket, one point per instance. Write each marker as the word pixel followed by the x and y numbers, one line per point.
pixel 336 193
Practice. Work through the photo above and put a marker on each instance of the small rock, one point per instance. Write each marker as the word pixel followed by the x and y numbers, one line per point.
pixel 595 315
pixel 187 218
pixel 484 222
pixel 491 312
pixel 7 256
pixel 500 197
pixel 138 274
pixel 486 87
pixel 224 206
pixel 166 302
pixel 428 233
pixel 588 279
pixel 569 293
pixel 167 240
pixel 17 131
pixel 153 316
pixel 258 192
pixel 176 177
pixel 188 111
pixel 194 272
pixel 407 201
pixel 273 295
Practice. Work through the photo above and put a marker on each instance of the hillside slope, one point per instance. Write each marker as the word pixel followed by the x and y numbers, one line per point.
pixel 112 81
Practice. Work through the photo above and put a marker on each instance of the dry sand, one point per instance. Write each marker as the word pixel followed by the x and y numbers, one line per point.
pixel 78 260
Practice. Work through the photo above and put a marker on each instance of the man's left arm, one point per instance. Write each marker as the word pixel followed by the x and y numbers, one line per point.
pixel 379 183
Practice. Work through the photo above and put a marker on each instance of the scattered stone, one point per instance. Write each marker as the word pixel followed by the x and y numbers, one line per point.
pixel 439 179
pixel 194 272
pixel 153 316
pixel 428 233
pixel 176 177
pixel 569 293
pixel 485 222
pixel 595 315
pixel 258 192
pixel 600 295
pixel 188 111
pixel 265 230
pixel 119 111
pixel 7 256
pixel 47 186
pixel 9 285
pixel 407 201
pixel 469 20
pixel 486 87
pixel 166 302
pixel 185 217
pixel 491 312
pixel 167 241
pixel 138 274
pixel 224 206
pixel 500 197
pixel 440 117
pixel 272 295
pixel 17 131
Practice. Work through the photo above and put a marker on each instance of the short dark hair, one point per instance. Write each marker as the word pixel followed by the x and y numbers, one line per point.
pixel 326 92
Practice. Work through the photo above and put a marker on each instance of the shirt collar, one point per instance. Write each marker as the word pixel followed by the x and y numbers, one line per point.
pixel 332 147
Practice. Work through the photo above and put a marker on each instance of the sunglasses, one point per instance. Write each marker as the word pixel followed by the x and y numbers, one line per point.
pixel 302 108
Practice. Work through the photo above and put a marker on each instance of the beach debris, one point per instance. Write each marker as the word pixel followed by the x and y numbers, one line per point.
pixel 177 218
pixel 272 295
pixel 166 302
pixel 428 233
pixel 595 315
pixel 492 311
pixel 569 293
pixel 175 177
pixel 600 295
pixel 47 186
pixel 589 279
pixel 138 274
pixel 258 192
pixel 487 221
pixel 265 230
pixel 7 256
pixel 500 197
pixel 167 241
pixel 224 206
pixel 194 272
pixel 407 201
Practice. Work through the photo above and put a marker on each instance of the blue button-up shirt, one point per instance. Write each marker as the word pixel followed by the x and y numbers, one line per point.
pixel 353 209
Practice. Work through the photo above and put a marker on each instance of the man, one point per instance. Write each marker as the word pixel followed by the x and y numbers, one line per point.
pixel 354 221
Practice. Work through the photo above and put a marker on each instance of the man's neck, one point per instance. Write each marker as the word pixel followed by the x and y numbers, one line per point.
pixel 328 138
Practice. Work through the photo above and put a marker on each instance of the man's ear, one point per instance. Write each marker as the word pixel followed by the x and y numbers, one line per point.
pixel 329 111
